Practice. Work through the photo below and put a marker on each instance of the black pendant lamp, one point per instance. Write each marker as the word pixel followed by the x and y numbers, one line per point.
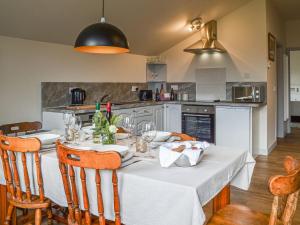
pixel 102 38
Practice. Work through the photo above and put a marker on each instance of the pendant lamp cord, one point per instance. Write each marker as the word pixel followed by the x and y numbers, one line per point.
pixel 102 8
pixel 102 17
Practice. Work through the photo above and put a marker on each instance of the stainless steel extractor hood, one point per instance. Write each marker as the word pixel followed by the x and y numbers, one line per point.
pixel 209 43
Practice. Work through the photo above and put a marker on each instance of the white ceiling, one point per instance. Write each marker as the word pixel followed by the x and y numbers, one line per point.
pixel 151 26
pixel 289 9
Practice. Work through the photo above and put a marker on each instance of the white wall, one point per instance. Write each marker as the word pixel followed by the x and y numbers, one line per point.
pixel 242 33
pixel 25 64
pixel 295 68
pixel 275 26
pixel 292 34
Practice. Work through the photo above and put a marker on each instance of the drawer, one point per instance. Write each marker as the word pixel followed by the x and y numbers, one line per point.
pixel 143 111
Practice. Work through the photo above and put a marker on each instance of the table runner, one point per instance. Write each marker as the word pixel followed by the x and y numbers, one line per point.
pixel 150 194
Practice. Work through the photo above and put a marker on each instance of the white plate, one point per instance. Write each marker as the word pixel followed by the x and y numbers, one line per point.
pixel 45 138
pixel 161 136
pixel 121 136
pixel 101 148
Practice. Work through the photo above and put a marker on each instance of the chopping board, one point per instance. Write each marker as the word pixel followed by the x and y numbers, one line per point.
pixel 81 107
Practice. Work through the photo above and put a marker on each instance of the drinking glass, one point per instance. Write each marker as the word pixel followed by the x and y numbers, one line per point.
pixel 128 124
pixel 68 120
pixel 76 126
pixel 148 134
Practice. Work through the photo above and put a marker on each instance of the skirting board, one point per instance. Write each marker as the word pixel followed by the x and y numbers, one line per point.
pixel 272 146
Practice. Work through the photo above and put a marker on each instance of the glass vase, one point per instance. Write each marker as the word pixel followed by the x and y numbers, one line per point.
pixel 108 139
pixel 96 138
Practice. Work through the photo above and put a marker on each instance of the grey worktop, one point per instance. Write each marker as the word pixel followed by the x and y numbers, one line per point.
pixel 61 109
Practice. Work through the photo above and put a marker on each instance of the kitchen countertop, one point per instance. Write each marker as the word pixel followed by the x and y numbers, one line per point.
pixel 62 109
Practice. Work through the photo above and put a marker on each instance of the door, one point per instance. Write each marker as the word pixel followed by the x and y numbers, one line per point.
pixel 234 127
pixel 173 118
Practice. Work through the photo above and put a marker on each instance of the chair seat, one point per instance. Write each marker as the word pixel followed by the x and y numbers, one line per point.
pixel 35 203
pixel 239 215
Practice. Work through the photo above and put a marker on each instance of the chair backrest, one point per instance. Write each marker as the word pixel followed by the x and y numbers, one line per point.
pixel 183 137
pixel 9 148
pixel 15 128
pixel 286 191
pixel 70 158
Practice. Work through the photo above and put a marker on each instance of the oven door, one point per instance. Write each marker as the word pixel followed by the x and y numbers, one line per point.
pixel 200 126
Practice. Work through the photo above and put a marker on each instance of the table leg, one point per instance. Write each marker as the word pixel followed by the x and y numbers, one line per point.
pixel 3 203
pixel 222 199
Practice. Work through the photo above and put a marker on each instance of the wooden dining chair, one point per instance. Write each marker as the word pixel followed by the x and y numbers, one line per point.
pixel 285 189
pixel 17 198
pixel 15 128
pixel 183 137
pixel 70 158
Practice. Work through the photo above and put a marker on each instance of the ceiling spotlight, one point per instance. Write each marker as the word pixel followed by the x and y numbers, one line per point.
pixel 195 24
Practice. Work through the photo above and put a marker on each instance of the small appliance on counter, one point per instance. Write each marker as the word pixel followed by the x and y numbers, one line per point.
pixel 78 96
pixel 248 93
pixel 145 95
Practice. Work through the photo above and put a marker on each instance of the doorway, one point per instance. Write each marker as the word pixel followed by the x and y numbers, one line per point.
pixel 294 87
pixel 283 99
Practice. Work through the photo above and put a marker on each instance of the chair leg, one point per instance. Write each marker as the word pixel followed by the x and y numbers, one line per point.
pixel 38 217
pixel 9 214
pixel 49 214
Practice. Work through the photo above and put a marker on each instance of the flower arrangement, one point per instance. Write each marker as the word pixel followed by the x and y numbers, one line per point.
pixel 105 130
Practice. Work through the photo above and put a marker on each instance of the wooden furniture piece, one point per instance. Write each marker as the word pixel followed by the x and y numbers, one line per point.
pixel 183 137
pixel 285 189
pixel 15 128
pixel 9 148
pixel 70 158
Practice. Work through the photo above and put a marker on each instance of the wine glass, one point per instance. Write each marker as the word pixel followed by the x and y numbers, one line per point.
pixel 148 134
pixel 68 119
pixel 76 126
pixel 128 124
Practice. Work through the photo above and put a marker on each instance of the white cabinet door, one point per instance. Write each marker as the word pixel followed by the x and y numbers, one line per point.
pixel 234 127
pixel 53 120
pixel 159 117
pixel 173 118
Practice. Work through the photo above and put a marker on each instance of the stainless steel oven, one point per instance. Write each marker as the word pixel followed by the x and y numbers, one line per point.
pixel 199 121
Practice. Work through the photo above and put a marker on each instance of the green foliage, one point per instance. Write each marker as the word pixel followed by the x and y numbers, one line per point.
pixel 102 124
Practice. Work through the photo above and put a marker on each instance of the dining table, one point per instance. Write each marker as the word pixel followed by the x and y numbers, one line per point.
pixel 149 193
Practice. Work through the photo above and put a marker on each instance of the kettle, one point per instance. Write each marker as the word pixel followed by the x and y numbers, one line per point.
pixel 78 96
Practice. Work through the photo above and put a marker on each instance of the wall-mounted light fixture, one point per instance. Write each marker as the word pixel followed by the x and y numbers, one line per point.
pixel 196 24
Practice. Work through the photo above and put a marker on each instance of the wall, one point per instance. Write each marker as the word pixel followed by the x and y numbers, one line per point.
pixel 292 34
pixel 295 68
pixel 275 26
pixel 243 33
pixel 25 64
pixel 295 82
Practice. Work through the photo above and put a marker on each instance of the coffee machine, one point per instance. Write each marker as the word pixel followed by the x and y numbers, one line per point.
pixel 78 96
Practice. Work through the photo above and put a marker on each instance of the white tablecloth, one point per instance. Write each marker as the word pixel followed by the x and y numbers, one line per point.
pixel 152 195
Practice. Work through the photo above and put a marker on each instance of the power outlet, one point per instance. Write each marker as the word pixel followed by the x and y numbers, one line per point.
pixel 174 87
pixel 134 88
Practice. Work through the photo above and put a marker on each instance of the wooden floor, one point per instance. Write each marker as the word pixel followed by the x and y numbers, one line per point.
pixel 258 196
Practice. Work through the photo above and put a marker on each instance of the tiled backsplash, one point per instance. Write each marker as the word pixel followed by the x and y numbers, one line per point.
pixel 57 93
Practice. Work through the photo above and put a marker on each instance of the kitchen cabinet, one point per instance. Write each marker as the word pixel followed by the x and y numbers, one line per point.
pixel 234 127
pixel 156 72
pixel 172 118
pixel 158 112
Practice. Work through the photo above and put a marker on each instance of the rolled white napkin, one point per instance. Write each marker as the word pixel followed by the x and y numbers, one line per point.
pixel 192 150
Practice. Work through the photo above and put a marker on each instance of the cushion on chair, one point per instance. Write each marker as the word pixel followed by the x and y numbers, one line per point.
pixel 238 215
